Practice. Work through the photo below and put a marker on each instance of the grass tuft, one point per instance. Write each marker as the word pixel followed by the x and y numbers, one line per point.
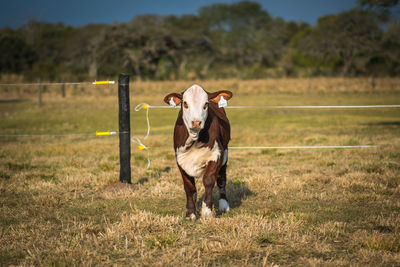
pixel 265 239
pixel 61 202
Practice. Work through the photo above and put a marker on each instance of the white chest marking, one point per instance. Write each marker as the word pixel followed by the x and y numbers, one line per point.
pixel 194 160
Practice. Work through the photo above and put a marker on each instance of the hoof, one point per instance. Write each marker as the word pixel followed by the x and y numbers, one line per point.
pixel 191 217
pixel 223 205
pixel 206 212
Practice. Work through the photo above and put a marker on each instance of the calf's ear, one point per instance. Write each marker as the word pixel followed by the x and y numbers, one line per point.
pixel 176 98
pixel 216 96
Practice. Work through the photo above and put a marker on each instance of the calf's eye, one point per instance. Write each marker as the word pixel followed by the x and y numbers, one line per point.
pixel 185 105
pixel 205 106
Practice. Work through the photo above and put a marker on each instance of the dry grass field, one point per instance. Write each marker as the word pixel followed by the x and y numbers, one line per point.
pixel 61 203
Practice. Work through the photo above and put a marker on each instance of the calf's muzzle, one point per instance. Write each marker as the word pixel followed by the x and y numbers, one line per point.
pixel 196 124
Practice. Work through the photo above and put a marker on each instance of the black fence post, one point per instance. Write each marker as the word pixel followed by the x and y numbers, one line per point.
pixel 124 129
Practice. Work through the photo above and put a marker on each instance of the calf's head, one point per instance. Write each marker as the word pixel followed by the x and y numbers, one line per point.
pixel 194 103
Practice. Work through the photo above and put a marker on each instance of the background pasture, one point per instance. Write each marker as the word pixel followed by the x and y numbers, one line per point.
pixel 61 203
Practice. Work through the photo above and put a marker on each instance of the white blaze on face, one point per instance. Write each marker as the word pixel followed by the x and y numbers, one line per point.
pixel 195 109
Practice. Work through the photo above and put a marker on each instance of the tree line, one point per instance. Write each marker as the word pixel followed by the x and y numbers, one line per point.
pixel 240 40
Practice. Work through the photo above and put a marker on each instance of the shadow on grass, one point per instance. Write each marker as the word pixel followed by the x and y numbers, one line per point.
pixel 384 123
pixel 142 180
pixel 5 101
pixel 236 191
pixel 153 173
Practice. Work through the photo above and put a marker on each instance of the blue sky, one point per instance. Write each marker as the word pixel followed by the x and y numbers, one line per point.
pixel 81 12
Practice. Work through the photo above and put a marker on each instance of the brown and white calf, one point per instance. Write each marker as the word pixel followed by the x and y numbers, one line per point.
pixel 201 137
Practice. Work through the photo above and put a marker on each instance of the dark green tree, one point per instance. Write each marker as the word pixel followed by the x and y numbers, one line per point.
pixel 391 49
pixel 237 32
pixel 224 40
pixel 348 37
pixel 382 8
pixel 50 42
pixel 16 54
pixel 190 52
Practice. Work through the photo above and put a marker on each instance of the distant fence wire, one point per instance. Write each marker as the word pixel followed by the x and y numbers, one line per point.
pixel 302 147
pixel 39 85
pixel 146 107
pixel 66 134
pixel 57 83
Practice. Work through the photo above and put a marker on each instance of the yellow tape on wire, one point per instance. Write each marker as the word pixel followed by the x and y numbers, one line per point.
pixel 105 133
pixel 103 82
pixel 141 146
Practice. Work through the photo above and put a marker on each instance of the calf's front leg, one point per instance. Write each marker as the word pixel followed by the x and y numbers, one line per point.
pixel 191 194
pixel 209 178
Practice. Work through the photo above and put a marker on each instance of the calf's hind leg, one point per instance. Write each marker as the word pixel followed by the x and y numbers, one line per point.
pixel 221 182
